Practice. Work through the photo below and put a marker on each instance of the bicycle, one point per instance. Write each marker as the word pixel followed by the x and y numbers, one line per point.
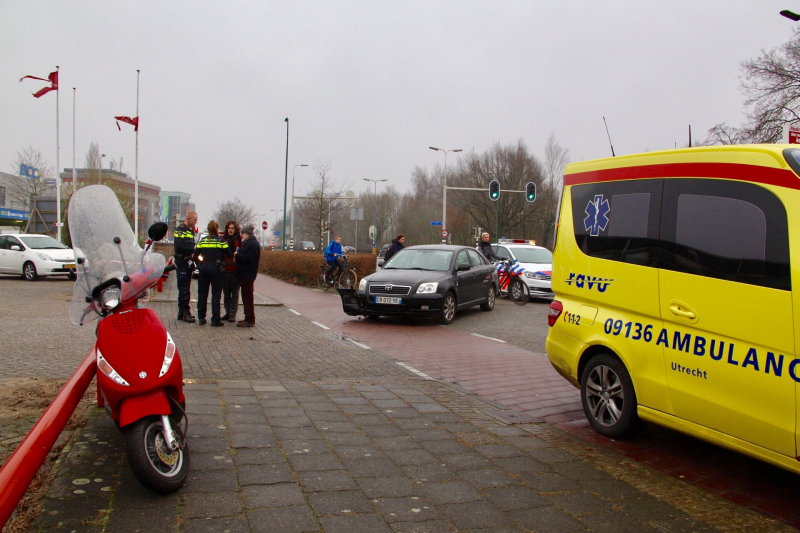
pixel 509 277
pixel 347 278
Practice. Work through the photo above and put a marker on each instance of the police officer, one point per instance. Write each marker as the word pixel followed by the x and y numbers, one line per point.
pixel 210 254
pixel 184 249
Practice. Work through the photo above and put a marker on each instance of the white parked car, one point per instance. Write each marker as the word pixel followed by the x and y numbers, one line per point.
pixel 34 255
pixel 537 262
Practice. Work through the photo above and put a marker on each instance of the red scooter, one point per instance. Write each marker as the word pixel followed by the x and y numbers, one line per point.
pixel 140 377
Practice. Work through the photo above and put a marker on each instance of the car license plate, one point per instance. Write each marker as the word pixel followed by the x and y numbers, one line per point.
pixel 388 300
pixel 69 265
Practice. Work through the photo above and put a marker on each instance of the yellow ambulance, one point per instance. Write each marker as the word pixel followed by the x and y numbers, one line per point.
pixel 672 275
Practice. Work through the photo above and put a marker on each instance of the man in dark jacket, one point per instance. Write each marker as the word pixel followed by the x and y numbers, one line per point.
pixel 397 245
pixel 247 259
pixel 485 247
pixel 184 249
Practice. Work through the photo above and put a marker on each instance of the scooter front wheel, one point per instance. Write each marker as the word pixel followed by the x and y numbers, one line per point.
pixel 152 462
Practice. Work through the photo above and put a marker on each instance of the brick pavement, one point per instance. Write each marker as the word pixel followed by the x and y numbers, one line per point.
pixel 503 373
pixel 36 335
pixel 360 419
pixel 364 455
pixel 524 380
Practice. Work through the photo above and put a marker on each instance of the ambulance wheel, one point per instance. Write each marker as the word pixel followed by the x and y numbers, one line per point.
pixel 608 397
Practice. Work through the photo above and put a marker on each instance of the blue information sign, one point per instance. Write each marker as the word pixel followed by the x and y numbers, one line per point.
pixel 436 222
pixel 15 214
pixel 277 233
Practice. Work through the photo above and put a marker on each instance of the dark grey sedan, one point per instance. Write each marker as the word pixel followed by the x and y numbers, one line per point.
pixel 426 282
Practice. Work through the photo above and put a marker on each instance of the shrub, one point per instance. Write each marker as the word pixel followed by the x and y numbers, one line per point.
pixel 301 268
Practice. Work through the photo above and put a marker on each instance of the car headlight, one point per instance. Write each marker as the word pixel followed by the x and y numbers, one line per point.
pixel 427 288
pixel 44 257
pixel 109 298
pixel 104 367
pixel 362 285
pixel 535 275
pixel 169 355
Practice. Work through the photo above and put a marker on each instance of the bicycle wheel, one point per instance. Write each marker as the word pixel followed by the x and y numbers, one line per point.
pixel 348 279
pixel 321 283
pixel 518 292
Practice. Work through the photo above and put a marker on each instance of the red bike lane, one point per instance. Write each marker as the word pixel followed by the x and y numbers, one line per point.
pixel 526 381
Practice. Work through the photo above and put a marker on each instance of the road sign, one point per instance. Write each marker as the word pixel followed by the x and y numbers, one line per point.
pixel 350 199
pixel 356 213
pixel 50 181
pixel 445 233
pixel 372 232
pixel 264 225
pixel 277 233
pixel 436 222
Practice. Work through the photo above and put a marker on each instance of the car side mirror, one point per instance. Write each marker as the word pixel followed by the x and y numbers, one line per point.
pixel 462 267
pixel 16 247
pixel 157 231
pixel 381 262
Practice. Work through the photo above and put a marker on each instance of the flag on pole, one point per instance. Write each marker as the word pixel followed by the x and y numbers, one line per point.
pixel 128 120
pixel 52 78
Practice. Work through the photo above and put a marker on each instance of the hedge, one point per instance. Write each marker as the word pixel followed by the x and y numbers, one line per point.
pixel 300 268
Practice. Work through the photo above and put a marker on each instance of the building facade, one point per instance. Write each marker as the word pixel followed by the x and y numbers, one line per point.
pixel 14 213
pixel 124 186
pixel 174 206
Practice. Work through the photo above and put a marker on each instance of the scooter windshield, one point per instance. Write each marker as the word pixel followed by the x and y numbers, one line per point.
pixel 96 221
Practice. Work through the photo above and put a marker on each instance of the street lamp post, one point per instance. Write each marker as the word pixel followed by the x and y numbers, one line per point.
pixel 790 15
pixel 285 186
pixel 374 217
pixel 294 241
pixel 444 186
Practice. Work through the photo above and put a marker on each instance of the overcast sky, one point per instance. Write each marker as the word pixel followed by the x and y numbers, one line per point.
pixel 367 85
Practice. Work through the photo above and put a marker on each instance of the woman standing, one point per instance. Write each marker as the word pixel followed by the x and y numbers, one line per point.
pixel 210 254
pixel 230 280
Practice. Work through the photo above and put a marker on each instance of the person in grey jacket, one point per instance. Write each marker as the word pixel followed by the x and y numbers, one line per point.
pixel 247 259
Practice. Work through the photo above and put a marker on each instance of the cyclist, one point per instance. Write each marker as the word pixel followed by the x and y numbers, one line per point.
pixel 485 247
pixel 333 253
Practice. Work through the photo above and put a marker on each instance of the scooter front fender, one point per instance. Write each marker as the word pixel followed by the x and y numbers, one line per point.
pixel 142 405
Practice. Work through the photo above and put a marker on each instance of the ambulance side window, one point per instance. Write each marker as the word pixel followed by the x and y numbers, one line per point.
pixel 728 230
pixel 618 220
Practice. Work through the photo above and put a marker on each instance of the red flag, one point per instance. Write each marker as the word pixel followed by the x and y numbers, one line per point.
pixel 52 78
pixel 128 120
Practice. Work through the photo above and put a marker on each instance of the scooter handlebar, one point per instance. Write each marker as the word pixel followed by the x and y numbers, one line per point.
pixel 170 268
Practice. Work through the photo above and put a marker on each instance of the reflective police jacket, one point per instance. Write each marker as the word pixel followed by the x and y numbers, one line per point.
pixel 184 242
pixel 211 250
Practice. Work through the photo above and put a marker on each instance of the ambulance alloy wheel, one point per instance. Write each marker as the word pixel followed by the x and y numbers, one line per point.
pixel 608 398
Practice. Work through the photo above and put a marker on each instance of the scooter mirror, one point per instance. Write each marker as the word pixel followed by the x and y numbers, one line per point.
pixel 157 231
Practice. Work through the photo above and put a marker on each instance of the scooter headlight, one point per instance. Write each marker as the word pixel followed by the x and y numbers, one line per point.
pixel 106 369
pixel 109 298
pixel 169 355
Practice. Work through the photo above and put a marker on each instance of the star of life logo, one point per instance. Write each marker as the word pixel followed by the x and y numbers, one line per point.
pixel 596 215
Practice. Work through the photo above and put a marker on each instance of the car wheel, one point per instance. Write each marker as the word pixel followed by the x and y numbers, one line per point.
pixel 489 305
pixel 29 271
pixel 448 308
pixel 608 397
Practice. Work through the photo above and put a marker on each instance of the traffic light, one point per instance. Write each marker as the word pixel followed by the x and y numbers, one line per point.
pixel 494 190
pixel 530 191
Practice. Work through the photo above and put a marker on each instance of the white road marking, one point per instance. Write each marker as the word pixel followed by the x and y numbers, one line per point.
pixel 360 345
pixel 295 312
pixel 490 338
pixel 414 370
pixel 320 325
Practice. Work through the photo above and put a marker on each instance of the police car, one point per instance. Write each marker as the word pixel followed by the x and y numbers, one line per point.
pixel 536 261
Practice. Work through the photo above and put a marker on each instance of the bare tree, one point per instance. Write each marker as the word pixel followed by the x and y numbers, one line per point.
pixel 234 210
pixel 555 159
pixel 771 86
pixel 325 211
pixel 20 190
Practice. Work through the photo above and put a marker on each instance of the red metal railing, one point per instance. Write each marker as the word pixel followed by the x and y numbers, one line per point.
pixel 20 469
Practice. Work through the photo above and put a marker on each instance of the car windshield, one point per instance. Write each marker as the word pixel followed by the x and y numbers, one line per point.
pixel 420 260
pixel 533 255
pixel 42 243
